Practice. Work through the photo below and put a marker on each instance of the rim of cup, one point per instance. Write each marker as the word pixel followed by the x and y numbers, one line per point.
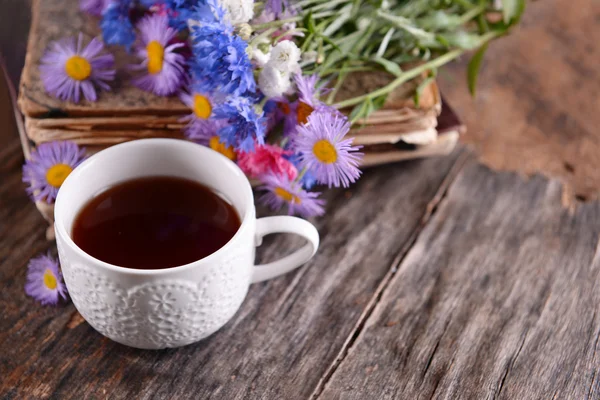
pixel 205 152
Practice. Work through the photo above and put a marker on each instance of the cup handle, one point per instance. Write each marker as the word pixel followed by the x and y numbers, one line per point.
pixel 284 224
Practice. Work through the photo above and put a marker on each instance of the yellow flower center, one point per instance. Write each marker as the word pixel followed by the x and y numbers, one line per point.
pixel 202 107
pixel 216 145
pixel 78 68
pixel 156 56
pixel 50 280
pixel 286 195
pixel 57 174
pixel 325 151
pixel 303 112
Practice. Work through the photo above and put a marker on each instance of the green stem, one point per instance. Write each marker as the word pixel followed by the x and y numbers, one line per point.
pixel 348 69
pixel 329 4
pixel 469 15
pixel 413 73
pixel 284 34
pixel 275 24
pixel 406 76
pixel 303 4
pixel 340 80
pixel 301 174
pixel 263 35
pixel 280 22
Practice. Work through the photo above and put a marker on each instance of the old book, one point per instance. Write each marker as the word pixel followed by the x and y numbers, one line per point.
pixel 57 19
pixel 449 128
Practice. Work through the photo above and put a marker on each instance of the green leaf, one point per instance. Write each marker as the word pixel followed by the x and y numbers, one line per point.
pixel 422 86
pixel 378 102
pixel 362 110
pixel 307 42
pixel 439 20
pixel 512 10
pixel 309 22
pixel 474 67
pixel 461 39
pixel 331 42
pixel 358 111
pixel 389 66
pixel 369 107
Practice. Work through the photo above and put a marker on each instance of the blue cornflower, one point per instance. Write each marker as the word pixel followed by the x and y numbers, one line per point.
pixel 244 126
pixel 116 26
pixel 220 58
pixel 308 179
pixel 240 68
pixel 207 11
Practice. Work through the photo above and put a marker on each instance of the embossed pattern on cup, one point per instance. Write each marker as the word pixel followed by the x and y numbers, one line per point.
pixel 172 307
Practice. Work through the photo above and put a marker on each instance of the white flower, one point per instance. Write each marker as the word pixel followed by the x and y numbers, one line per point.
pixel 260 57
pixel 272 82
pixel 285 56
pixel 261 52
pixel 238 11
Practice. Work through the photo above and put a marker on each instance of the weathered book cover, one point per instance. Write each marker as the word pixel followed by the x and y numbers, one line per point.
pixel 56 19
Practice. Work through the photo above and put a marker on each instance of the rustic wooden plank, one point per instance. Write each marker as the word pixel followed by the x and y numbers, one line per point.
pixel 286 335
pixel 537 101
pixel 14 30
pixel 497 299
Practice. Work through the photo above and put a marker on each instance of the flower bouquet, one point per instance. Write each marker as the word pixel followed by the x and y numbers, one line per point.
pixel 263 83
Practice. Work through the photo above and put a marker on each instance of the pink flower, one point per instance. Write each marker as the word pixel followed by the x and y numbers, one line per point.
pixel 267 159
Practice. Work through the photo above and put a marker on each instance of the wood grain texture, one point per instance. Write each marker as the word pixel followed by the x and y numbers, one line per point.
pixel 286 336
pixel 15 18
pixel 497 299
pixel 538 98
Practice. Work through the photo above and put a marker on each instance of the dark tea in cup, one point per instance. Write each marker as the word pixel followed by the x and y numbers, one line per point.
pixel 155 222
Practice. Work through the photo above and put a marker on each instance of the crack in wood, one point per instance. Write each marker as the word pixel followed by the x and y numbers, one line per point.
pixel 511 365
pixel 430 209
pixel 437 344
pixel 589 395
pixel 591 388
pixel 437 383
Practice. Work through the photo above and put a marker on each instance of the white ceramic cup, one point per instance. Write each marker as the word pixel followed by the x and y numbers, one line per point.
pixel 154 309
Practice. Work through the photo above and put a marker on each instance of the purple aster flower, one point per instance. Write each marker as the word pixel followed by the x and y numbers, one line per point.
pixel 324 151
pixel 165 72
pixel 281 191
pixel 201 128
pixel 244 126
pixel 279 7
pixel 93 7
pixel 200 125
pixel 48 167
pixel 44 281
pixel 307 89
pixel 67 69
pixel 308 99
pixel 117 28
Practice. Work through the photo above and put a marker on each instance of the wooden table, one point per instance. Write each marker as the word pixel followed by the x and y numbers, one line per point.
pixel 438 278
